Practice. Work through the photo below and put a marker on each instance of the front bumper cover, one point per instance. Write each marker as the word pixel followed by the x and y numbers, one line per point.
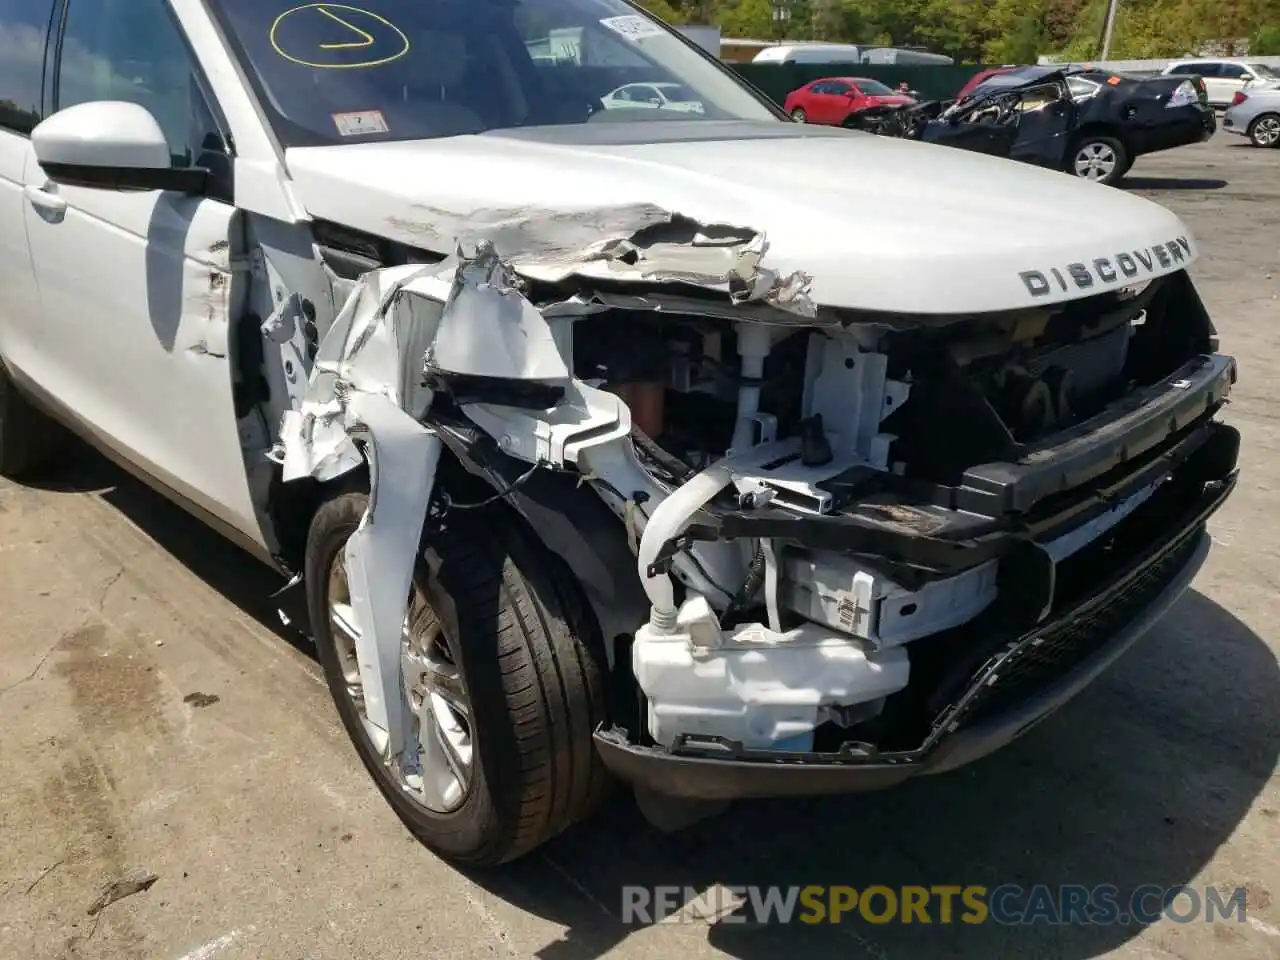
pixel 1032 675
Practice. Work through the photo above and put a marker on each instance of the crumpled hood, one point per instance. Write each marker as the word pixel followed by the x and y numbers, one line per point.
pixel 880 224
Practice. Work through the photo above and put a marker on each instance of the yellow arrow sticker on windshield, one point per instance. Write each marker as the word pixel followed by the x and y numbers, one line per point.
pixel 371 40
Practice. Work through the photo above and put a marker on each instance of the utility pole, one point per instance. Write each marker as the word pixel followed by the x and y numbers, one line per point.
pixel 1111 25
pixel 781 10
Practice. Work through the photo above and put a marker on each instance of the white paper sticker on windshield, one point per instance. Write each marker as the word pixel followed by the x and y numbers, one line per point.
pixel 633 27
pixel 360 124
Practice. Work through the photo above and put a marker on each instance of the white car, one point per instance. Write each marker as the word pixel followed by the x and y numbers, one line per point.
pixel 654 96
pixel 1255 114
pixel 603 448
pixel 1223 79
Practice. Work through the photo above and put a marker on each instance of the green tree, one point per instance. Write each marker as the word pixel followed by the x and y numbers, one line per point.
pixel 746 18
pixel 1265 41
pixel 663 9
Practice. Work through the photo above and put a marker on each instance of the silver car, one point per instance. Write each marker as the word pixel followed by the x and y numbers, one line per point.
pixel 1255 114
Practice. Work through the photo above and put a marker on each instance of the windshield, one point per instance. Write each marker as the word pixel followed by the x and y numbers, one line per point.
pixel 874 88
pixel 411 69
pixel 673 91
pixel 1262 70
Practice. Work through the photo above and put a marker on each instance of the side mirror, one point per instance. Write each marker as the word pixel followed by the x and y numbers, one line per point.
pixel 110 145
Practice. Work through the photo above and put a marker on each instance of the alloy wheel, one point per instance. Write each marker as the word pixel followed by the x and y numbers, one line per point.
pixel 435 769
pixel 1095 161
pixel 1266 131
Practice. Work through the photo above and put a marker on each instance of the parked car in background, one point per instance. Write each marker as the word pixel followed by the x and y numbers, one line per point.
pixel 1091 124
pixel 834 100
pixel 904 57
pixel 1255 114
pixel 1223 79
pixel 653 96
pixel 810 53
pixel 982 76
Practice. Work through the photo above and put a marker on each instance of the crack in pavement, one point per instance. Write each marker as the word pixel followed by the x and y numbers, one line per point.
pixel 36 669
pixel 68 634
pixel 106 588
pixel 44 873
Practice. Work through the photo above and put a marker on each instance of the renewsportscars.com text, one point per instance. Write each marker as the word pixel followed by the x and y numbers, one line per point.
pixel 1008 904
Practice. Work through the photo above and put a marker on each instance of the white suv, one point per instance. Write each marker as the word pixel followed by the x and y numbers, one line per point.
pixel 1223 79
pixel 638 445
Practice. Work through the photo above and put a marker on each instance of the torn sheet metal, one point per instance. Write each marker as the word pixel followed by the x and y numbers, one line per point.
pixel 369 349
pixel 366 389
pixel 530 235
pixel 630 242
pixel 488 329
pixel 734 267
pixel 382 553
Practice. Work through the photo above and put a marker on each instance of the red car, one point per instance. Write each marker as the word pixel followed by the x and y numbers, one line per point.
pixel 835 99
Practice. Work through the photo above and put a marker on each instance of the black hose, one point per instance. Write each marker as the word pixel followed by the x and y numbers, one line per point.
pixel 750 585
pixel 677 468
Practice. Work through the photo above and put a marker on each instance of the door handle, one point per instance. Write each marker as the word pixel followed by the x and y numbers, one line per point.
pixel 46 198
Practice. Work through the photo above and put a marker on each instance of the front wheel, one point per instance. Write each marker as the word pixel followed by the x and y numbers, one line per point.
pixel 1265 130
pixel 502 686
pixel 799 116
pixel 1100 159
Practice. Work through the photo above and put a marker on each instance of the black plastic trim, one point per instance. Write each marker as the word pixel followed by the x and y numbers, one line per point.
pixel 718 770
pixel 1124 431
pixel 192 181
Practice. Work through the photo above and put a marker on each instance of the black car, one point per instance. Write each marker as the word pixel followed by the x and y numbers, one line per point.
pixel 1092 124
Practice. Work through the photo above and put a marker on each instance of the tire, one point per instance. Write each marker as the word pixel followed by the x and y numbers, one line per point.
pixel 799 116
pixel 1264 131
pixel 29 439
pixel 533 678
pixel 1099 158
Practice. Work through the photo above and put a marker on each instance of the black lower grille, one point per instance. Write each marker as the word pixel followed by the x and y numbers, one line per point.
pixel 1039 659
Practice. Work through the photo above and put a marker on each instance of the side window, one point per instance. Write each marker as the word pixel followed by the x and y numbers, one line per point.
pixel 1205 69
pixel 132 50
pixel 839 89
pixel 1233 71
pixel 820 88
pixel 24 28
pixel 1183 69
pixel 1081 89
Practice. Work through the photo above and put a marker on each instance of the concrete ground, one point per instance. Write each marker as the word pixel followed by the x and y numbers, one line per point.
pixel 154 717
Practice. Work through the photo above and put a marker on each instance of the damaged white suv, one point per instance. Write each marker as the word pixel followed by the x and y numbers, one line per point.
pixel 642 445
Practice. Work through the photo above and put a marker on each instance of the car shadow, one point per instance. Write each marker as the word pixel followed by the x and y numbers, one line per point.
pixel 1138 781
pixel 1173 183
pixel 241 579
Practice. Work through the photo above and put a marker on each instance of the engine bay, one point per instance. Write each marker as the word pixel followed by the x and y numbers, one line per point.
pixel 811 518
pixel 807 503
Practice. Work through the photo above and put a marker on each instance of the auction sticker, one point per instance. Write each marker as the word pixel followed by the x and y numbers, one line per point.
pixel 361 124
pixel 633 27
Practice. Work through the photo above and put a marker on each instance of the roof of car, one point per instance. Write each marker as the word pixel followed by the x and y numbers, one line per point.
pixel 1017 77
